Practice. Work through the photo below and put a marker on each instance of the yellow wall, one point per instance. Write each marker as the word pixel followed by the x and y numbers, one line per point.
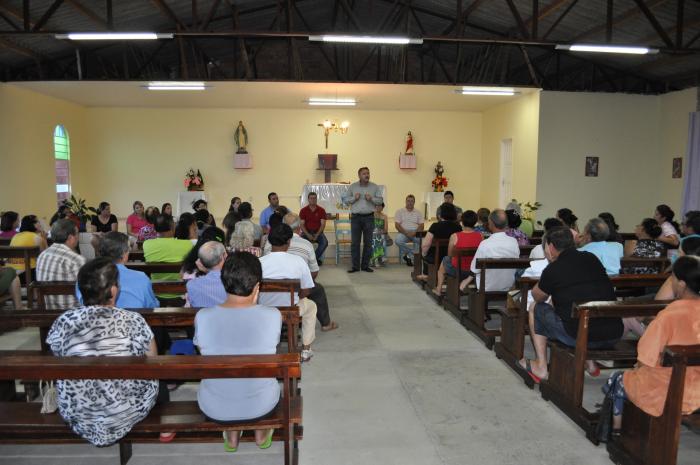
pixel 143 154
pixel 124 154
pixel 630 134
pixel 27 122
pixel 519 121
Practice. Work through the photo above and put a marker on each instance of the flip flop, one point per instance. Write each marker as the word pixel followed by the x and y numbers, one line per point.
pixel 268 441
pixel 166 437
pixel 227 447
pixel 528 368
pixel 333 325
pixel 595 373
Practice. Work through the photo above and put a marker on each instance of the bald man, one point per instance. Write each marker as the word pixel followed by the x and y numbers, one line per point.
pixel 208 290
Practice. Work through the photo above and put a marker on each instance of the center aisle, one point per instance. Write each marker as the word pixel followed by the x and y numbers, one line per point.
pixel 401 382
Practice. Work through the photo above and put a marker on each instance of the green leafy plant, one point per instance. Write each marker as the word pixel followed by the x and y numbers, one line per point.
pixel 79 208
pixel 528 209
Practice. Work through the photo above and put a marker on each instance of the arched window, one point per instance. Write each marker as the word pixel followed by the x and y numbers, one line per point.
pixel 61 147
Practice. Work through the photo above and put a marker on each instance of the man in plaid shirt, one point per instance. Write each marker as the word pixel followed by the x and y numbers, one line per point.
pixel 60 262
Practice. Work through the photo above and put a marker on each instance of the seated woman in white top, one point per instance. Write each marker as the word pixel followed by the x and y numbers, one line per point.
pixel 669 228
pixel 239 326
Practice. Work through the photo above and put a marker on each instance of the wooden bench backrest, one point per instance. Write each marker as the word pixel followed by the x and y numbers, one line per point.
pixel 47 367
pixel 40 289
pixel 603 309
pixel 154 267
pixel 659 264
pixel 484 264
pixel 25 253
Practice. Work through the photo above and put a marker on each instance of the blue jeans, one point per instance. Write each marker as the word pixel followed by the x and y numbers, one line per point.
pixel 322 244
pixel 361 227
pixel 549 325
pixel 402 242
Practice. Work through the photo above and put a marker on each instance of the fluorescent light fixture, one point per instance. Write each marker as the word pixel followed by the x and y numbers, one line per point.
pixel 332 102
pixel 607 49
pixel 387 40
pixel 486 91
pixel 114 36
pixel 174 85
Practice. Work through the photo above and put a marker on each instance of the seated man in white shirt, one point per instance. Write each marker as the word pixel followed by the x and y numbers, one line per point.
pixel 280 264
pixel 498 245
pixel 304 249
pixel 408 221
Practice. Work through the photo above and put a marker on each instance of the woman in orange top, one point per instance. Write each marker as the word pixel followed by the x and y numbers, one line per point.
pixel 678 324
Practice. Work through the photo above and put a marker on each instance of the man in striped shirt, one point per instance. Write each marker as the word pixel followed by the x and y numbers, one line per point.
pixel 60 262
pixel 208 290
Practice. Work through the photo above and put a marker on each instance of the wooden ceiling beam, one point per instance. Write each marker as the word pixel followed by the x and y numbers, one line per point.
pixel 47 15
pixel 626 15
pixel 654 22
pixel 87 12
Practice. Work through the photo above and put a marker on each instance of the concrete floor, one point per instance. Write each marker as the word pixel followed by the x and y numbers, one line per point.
pixel 401 382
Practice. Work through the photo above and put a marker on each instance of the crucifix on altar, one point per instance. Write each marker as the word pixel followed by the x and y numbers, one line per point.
pixel 328 162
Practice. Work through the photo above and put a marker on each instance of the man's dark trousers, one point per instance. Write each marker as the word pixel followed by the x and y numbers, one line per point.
pixel 361 227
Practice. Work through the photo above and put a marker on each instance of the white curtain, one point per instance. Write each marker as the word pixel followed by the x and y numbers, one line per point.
pixel 691 181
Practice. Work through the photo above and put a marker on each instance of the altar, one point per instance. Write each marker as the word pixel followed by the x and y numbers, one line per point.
pixel 330 196
pixel 186 199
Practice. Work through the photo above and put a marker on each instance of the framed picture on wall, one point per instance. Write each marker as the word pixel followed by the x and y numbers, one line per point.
pixel 592 166
pixel 677 171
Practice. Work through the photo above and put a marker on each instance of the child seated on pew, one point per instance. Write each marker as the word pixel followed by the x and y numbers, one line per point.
pixel 678 324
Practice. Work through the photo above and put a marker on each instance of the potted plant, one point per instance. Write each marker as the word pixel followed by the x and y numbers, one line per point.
pixel 528 210
pixel 80 213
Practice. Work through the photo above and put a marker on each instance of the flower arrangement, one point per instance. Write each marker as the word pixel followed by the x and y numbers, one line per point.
pixel 194 182
pixel 440 181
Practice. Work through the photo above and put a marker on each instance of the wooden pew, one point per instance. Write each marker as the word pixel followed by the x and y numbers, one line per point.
pixel 136 256
pixel 475 318
pixel 154 267
pixel 5 241
pixel 647 440
pixel 659 264
pixel 164 316
pixel 431 282
pixel 451 301
pixel 21 423
pixel 167 317
pixel 514 318
pixel 24 253
pixel 564 387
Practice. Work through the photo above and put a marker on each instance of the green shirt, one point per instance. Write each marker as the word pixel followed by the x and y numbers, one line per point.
pixel 166 250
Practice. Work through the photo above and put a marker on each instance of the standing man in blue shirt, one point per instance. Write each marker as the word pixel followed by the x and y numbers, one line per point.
pixel 267 213
pixel 362 196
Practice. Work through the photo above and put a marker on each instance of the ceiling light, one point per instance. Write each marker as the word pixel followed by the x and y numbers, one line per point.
pixel 607 49
pixel 342 102
pixel 366 39
pixel 114 36
pixel 486 91
pixel 174 85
